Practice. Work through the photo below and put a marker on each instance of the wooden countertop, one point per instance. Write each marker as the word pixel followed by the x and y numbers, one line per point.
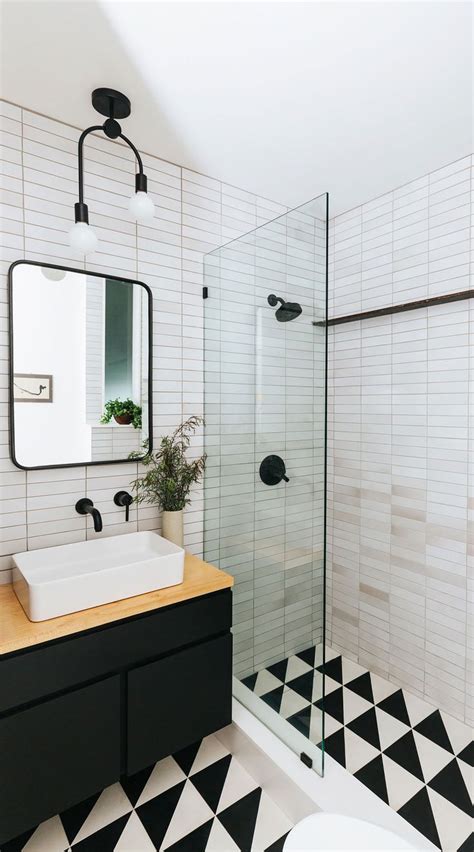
pixel 17 632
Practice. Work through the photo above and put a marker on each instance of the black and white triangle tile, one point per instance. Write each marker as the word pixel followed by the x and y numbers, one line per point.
pixel 199 800
pixel 416 758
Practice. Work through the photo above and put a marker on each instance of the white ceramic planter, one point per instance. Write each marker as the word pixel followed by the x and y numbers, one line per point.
pixel 172 526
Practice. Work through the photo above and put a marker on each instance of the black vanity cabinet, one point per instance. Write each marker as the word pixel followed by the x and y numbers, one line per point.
pixel 79 712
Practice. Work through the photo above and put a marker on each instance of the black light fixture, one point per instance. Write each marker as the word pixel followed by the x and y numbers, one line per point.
pixel 114 105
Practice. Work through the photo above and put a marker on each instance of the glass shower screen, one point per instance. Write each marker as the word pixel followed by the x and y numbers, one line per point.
pixel 265 437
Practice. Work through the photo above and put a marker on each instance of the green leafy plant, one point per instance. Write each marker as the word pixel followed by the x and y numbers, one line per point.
pixel 170 474
pixel 122 410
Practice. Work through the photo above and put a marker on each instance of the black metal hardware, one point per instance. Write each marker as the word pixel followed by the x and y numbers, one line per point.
pixel 11 406
pixel 272 470
pixel 287 311
pixel 111 103
pixel 432 302
pixel 123 498
pixel 305 758
pixel 84 506
pixel 205 293
pixel 114 105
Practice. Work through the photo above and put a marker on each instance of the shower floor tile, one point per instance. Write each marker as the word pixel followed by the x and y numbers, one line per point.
pixel 199 800
pixel 416 758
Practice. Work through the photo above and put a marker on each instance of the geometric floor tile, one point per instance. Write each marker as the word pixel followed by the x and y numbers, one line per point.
pixel 238 783
pixel 292 702
pixel 156 814
pixel 419 813
pixel 209 782
pixel 417 708
pixel 73 818
pixel 467 754
pixel 296 668
pixel 468 844
pixel 210 750
pixel 358 751
pixel 240 819
pixel 453 827
pixel 381 688
pixel 112 804
pixel 450 784
pixel 302 720
pixel 351 672
pixel 395 705
pixel 333 668
pixel 164 775
pixel 404 752
pixel 390 729
pixel 271 823
pixel 266 681
pixel 335 745
pixel 432 757
pixel 104 840
pixel 362 685
pixel 414 757
pixel 220 839
pixel 459 735
pixel 186 756
pixel 401 785
pixel 373 776
pixel 354 705
pixel 432 727
pixel 48 836
pixel 191 812
pixel 134 836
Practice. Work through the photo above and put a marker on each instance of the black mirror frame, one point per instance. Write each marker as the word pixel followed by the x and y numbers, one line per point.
pixel 11 417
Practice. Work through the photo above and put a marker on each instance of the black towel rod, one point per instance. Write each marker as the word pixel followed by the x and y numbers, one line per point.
pixel 398 309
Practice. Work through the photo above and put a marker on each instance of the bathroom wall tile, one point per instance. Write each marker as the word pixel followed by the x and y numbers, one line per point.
pixel 400 435
pixel 38 169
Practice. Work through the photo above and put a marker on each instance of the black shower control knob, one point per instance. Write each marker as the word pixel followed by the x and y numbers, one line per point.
pixel 273 470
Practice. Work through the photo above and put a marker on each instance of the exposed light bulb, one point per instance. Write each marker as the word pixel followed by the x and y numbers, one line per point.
pixel 141 207
pixel 82 238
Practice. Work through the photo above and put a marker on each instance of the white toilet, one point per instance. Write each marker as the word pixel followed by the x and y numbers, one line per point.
pixel 333 831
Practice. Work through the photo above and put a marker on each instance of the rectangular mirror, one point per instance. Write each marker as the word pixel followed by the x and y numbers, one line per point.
pixel 80 366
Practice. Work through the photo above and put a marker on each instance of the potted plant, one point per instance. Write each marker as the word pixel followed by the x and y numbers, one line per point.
pixel 169 476
pixel 124 412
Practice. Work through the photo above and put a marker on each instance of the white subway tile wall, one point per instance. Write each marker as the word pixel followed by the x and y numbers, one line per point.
pixel 194 214
pixel 401 440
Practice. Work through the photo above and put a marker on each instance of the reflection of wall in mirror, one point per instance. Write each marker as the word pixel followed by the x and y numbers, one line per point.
pixel 49 337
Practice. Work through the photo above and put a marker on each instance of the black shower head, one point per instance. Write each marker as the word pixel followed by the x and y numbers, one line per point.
pixel 287 310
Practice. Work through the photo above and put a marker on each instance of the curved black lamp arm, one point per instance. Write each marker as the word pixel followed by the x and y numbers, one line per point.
pixel 80 208
pixel 140 178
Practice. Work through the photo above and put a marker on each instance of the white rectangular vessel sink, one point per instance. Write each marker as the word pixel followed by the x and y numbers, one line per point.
pixel 58 580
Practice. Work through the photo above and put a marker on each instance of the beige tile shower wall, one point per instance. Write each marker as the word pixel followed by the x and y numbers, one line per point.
pixel 401 440
pixel 194 214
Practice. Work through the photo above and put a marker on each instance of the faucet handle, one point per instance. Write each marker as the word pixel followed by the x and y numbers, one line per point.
pixel 123 498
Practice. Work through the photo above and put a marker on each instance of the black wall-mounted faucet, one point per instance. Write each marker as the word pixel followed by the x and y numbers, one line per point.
pixel 123 498
pixel 84 506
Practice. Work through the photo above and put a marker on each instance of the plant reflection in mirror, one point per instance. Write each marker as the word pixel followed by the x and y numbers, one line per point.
pixel 124 412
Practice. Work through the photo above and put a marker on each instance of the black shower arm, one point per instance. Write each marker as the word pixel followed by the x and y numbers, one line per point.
pixel 141 179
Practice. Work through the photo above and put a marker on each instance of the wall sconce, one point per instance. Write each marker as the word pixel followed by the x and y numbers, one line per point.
pixel 114 105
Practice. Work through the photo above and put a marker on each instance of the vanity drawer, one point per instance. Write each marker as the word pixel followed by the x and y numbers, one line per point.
pixel 31 675
pixel 178 700
pixel 57 754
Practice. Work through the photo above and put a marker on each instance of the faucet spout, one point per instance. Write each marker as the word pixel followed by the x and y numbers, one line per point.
pixel 97 518
pixel 84 506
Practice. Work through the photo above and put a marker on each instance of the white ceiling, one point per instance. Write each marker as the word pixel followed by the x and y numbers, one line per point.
pixel 287 100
